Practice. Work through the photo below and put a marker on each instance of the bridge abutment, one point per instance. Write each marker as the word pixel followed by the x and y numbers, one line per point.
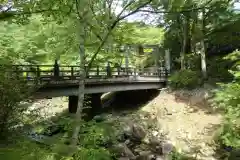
pixel 92 105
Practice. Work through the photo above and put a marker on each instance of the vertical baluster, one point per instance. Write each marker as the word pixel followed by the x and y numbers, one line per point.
pixel 167 62
pixel 118 70
pixel 72 73
pixel 38 74
pixel 27 73
pixel 97 70
pixel 161 70
pixel 108 69
pixel 87 74
pixel 17 72
pixel 135 72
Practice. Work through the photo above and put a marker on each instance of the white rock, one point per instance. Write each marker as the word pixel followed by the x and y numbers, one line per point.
pixel 155 133
pixel 167 148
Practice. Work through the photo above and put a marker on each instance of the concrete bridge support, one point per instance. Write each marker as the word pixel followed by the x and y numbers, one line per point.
pixel 92 105
pixel 72 104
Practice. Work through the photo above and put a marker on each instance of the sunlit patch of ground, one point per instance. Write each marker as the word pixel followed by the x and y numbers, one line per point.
pixel 185 122
pixel 46 108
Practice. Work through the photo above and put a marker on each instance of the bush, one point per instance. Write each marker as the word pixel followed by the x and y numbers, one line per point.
pixel 25 150
pixel 92 154
pixel 12 90
pixel 185 79
pixel 227 98
pixel 95 139
pixel 217 69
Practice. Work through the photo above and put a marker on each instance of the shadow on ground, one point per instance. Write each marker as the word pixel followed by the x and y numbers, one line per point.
pixel 229 153
pixel 131 100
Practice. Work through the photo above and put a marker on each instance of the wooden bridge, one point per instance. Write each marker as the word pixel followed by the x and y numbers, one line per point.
pixel 56 81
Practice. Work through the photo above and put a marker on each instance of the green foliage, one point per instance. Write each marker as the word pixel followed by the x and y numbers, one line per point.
pixel 185 79
pixel 218 69
pixel 94 139
pixel 228 99
pixel 92 154
pixel 38 42
pixel 12 90
pixel 97 134
pixel 26 150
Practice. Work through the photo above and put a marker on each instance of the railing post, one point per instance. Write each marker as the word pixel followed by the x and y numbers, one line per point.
pixel 72 72
pixel 108 69
pixel 167 61
pixel 56 70
pixel 118 70
pixel 38 74
pixel 17 72
pixel 85 68
pixel 126 71
pixel 97 70
pixel 27 74
pixel 135 72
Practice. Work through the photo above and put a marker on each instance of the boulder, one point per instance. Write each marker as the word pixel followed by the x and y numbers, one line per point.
pixel 53 129
pixel 145 155
pixel 134 132
pixel 99 118
pixel 154 141
pixel 123 150
pixel 127 131
pixel 160 158
pixel 123 158
pixel 166 148
pixel 138 132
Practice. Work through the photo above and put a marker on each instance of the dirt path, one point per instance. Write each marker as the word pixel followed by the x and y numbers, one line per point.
pixel 187 124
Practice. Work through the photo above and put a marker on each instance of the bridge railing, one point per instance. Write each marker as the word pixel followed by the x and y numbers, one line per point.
pixel 48 72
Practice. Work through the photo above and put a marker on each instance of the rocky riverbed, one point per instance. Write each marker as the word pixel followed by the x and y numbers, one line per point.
pixel 179 120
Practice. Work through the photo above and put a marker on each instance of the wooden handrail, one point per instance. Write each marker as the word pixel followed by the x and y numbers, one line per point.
pixel 46 72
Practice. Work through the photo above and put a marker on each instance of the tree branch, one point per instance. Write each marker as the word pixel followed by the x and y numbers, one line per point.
pixel 9 14
pixel 119 18
pixel 89 24
pixel 93 31
pixel 181 11
pixel 135 11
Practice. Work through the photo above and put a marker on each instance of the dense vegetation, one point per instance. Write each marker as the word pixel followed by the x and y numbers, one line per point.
pixel 202 37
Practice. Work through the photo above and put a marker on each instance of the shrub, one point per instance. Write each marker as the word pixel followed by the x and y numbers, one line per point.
pixel 95 138
pixel 228 99
pixel 217 69
pixel 185 79
pixel 25 150
pixel 12 90
pixel 92 154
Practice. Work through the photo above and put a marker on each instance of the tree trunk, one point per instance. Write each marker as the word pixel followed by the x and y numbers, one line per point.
pixel 186 41
pixel 195 21
pixel 82 72
pixel 203 46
